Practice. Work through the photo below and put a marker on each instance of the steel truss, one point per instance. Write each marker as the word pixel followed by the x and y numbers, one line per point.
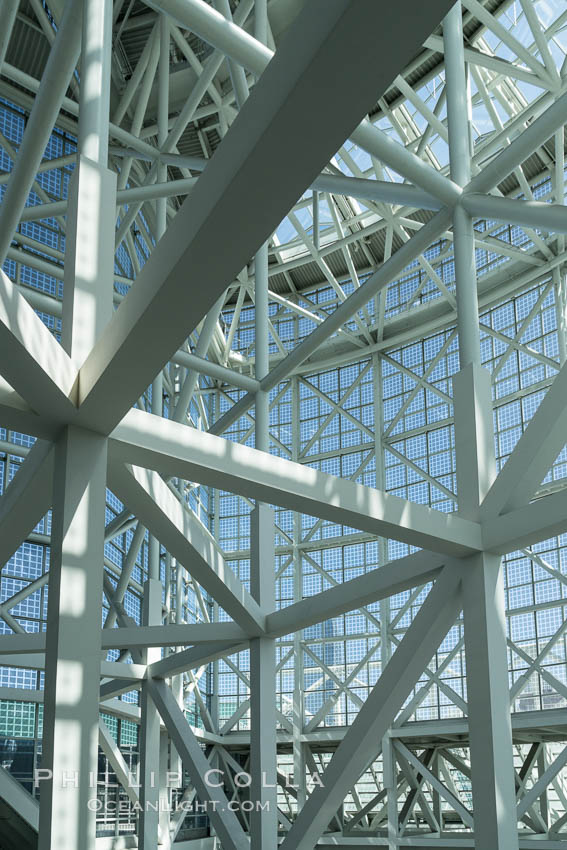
pixel 428 159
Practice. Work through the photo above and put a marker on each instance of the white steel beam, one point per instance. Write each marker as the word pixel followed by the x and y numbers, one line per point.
pixel 375 190
pixel 174 525
pixel 214 28
pixel 529 140
pixel 17 415
pixel 220 635
pixel 23 644
pixel 406 163
pixel 539 787
pixel 116 760
pixel 190 659
pixel 26 499
pixel 32 361
pixel 533 454
pixel 195 762
pixel 363 737
pixel 176 450
pixel 201 349
pixel 178 634
pixel 21 801
pixel 150 192
pixel 128 565
pixel 392 578
pixel 552 217
pixel 24 593
pixel 353 187
pixel 528 525
pixel 504 68
pixel 116 687
pixel 122 365
pixel 495 25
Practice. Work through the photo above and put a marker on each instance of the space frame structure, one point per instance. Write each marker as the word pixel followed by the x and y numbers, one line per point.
pixel 284 415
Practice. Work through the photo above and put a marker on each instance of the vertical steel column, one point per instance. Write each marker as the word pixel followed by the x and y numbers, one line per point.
pixel 473 400
pixel 316 235
pixel 378 412
pixel 151 763
pixel 161 224
pixel 460 158
pixel 161 203
pixel 148 821
pixel 263 752
pixel 388 758
pixel 262 347
pixel 73 643
pixel 544 797
pixel 488 699
pixel 559 271
pixel 215 710
pixel 298 686
pixel 389 781
pixel 262 365
pixel 490 735
pixel 175 763
pixel 89 256
pixel 263 793
pixel 163 116
pixel 165 745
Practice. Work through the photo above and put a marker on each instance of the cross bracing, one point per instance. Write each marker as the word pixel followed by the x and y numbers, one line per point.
pixel 354 313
